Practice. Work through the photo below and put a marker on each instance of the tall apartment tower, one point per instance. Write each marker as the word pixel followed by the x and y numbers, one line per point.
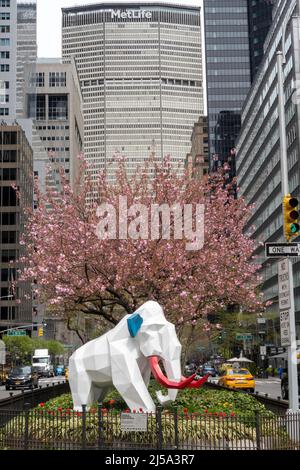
pixel 140 69
pixel 16 168
pixel 18 46
pixel 26 46
pixel 8 58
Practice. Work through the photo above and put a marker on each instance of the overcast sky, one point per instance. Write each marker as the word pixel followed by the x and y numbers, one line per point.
pixel 49 21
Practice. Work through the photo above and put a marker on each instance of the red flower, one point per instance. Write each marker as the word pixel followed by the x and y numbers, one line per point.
pixel 41 412
pixel 205 411
pixel 59 409
pixel 210 414
pixel 127 411
pixel 42 404
pixel 216 414
pixel 232 414
pixel 112 402
pixel 134 410
pixel 141 410
pixel 185 410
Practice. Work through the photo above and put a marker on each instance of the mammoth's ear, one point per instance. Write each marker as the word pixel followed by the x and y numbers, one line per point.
pixel 134 323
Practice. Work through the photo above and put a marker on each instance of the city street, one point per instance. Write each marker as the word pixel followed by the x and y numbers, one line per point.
pixel 271 386
pixel 43 382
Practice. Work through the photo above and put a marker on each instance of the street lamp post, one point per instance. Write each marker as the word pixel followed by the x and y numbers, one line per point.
pixel 292 348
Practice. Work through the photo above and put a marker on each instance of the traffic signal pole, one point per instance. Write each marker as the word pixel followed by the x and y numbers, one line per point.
pixel 292 349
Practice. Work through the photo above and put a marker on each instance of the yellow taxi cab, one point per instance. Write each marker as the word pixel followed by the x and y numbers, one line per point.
pixel 237 379
pixel 67 374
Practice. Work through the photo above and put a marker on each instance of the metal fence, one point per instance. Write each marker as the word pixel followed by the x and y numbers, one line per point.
pixel 41 429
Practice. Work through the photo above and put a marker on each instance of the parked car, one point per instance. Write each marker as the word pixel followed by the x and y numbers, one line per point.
pixel 21 377
pixel 285 385
pixel 60 369
pixel 237 379
pixel 207 369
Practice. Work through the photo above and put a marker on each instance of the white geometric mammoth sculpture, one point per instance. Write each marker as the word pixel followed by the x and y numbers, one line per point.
pixel 125 357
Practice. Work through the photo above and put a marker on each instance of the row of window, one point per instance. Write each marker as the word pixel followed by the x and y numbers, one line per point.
pixel 5 16
pixel 55 138
pixel 4 112
pixel 4 67
pixel 53 128
pixel 56 79
pixel 4 3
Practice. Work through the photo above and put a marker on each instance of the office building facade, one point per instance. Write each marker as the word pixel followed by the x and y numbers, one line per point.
pixel 140 70
pixel 228 71
pixel 258 147
pixel 260 20
pixel 53 101
pixel 235 31
pixel 16 168
pixel 196 161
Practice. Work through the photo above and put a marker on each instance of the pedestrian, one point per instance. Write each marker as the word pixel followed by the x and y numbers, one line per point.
pixel 280 372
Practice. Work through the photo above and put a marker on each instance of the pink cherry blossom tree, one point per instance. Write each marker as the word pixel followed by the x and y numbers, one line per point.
pixel 75 271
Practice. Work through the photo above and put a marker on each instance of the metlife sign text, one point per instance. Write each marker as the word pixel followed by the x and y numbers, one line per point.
pixel 131 14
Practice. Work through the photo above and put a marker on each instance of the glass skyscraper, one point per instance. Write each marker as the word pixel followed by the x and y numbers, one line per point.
pixel 260 19
pixel 228 72
pixel 235 31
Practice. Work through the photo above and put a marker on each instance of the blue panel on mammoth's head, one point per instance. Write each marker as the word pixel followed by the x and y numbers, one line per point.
pixel 134 323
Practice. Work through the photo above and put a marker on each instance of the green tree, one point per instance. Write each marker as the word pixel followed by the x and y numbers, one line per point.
pixel 20 348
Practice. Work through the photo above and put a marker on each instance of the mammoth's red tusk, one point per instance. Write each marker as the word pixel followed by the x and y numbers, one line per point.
pixel 163 380
pixel 198 383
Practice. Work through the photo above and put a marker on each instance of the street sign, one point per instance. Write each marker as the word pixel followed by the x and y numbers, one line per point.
pixel 243 336
pixel 285 328
pixel 284 285
pixel 263 350
pixel 282 250
pixel 16 333
pixel 134 422
pixel 261 320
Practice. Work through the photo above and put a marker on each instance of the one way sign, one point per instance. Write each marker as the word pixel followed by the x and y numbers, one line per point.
pixel 279 250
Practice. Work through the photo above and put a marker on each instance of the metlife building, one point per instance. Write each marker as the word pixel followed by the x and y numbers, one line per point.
pixel 140 69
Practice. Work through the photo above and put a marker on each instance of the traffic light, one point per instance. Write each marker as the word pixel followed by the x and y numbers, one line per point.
pixel 291 217
pixel 40 331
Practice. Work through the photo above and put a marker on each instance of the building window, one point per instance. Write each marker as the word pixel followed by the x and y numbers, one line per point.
pixel 4 111
pixel 4 42
pixel 8 238
pixel 5 16
pixel 8 174
pixel 5 3
pixel 8 218
pixel 8 197
pixel 37 79
pixel 4 55
pixel 5 29
pixel 4 98
pixel 57 79
pixel 58 107
pixel 4 67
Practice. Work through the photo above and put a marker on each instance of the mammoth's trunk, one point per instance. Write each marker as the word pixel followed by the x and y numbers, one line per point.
pixel 174 381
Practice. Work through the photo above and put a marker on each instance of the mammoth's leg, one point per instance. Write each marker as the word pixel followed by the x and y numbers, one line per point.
pixel 81 386
pixel 128 380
